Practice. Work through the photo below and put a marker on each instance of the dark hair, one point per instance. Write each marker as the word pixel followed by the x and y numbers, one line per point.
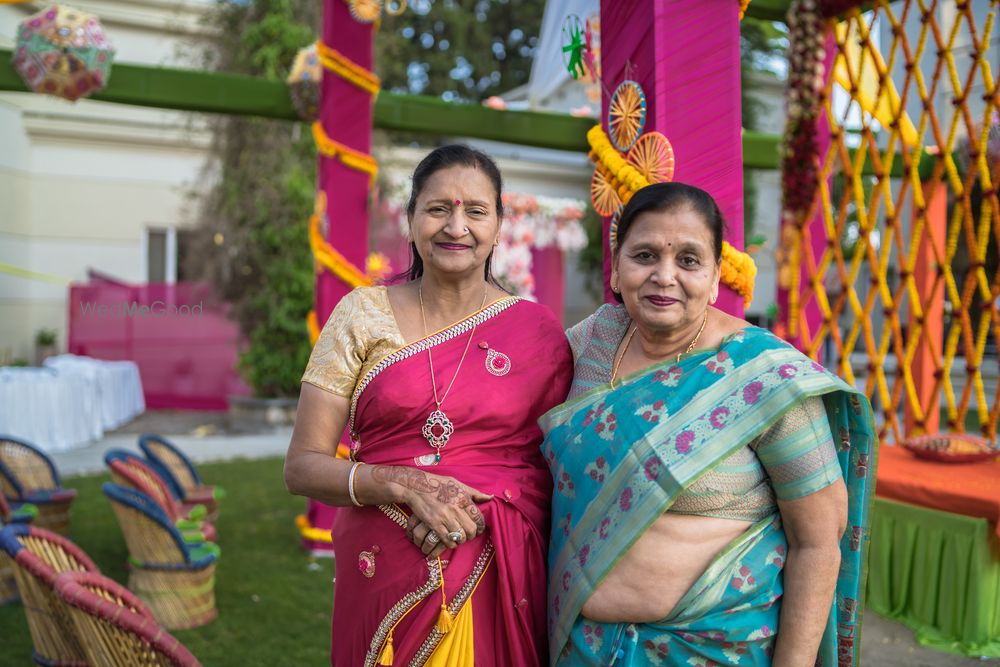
pixel 453 155
pixel 669 197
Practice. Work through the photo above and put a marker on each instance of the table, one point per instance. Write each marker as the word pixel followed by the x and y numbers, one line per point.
pixel 69 402
pixel 935 559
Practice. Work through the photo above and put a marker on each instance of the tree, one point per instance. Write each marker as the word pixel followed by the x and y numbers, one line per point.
pixel 762 45
pixel 251 241
pixel 460 50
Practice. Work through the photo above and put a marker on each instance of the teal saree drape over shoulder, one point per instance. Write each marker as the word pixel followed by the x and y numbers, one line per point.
pixel 621 457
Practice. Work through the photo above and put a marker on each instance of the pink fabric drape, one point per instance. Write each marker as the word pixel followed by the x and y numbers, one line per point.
pixel 495 448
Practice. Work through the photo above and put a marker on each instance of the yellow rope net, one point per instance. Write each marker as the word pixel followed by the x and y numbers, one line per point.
pixel 899 276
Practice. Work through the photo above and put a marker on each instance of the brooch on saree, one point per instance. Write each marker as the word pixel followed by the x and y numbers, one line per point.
pixel 497 362
pixel 366 561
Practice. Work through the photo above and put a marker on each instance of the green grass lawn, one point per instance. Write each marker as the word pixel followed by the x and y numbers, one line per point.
pixel 274 600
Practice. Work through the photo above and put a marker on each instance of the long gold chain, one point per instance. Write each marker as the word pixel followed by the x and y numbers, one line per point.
pixel 628 341
pixel 430 358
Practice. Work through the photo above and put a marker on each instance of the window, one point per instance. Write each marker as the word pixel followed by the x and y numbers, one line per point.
pixel 164 249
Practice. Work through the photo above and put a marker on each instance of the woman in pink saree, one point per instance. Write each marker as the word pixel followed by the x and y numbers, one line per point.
pixel 441 539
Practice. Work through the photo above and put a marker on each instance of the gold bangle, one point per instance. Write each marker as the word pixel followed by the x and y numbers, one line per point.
pixel 350 484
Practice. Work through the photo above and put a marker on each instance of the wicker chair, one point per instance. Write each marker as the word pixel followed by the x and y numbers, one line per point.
pixel 17 514
pixel 27 475
pixel 40 556
pixel 131 471
pixel 114 628
pixel 176 579
pixel 180 474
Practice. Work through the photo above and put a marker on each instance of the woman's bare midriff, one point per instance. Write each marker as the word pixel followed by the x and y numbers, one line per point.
pixel 652 576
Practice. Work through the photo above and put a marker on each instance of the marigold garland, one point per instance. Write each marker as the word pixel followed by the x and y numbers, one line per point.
pixel 800 152
pixel 743 8
pixel 327 256
pixel 739 272
pixel 308 532
pixel 347 69
pixel 738 268
pixel 346 155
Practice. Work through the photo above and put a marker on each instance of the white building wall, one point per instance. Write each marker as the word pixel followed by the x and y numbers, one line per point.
pixel 81 182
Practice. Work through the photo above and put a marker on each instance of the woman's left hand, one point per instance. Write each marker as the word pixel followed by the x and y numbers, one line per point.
pixel 417 532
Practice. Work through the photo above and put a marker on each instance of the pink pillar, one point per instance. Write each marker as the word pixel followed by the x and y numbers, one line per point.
pixel 686 56
pixel 346 116
pixel 547 270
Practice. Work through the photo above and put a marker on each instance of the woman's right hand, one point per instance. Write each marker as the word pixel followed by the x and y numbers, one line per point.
pixel 444 504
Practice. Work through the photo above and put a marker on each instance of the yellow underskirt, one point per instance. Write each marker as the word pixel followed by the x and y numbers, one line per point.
pixel 457 647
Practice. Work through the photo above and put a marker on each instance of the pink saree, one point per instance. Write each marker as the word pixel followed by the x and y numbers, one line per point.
pixel 388 596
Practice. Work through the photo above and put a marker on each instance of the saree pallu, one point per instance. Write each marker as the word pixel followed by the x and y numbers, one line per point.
pixel 621 457
pixel 387 593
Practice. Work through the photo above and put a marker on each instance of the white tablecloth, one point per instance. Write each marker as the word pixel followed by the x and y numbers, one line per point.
pixel 69 402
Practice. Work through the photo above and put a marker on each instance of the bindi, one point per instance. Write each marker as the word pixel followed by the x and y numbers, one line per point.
pixel 458 202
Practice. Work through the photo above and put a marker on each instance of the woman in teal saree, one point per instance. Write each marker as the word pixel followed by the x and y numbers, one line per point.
pixel 712 483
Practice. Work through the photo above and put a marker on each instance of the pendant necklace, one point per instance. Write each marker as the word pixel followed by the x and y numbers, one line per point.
pixel 614 370
pixel 438 429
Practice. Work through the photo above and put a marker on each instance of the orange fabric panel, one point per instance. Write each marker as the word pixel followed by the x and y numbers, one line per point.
pixel 972 489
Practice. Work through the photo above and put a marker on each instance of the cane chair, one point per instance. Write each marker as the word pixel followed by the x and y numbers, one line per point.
pixel 27 475
pixel 114 627
pixel 131 471
pixel 8 515
pixel 39 556
pixel 180 474
pixel 176 579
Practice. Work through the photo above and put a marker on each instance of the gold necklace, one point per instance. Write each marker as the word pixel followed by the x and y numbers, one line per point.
pixel 438 429
pixel 614 370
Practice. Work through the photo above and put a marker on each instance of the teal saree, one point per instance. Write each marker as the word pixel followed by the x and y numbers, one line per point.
pixel 621 457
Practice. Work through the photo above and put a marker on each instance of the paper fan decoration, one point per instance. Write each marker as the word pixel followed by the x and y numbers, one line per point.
pixel 62 51
pixel 365 11
pixel 626 115
pixel 653 156
pixel 603 195
pixel 613 229
pixel 573 46
pixel 304 83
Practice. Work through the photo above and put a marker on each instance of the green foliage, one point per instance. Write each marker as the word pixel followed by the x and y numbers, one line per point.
pixel 252 242
pixel 761 42
pixel 45 337
pixel 274 605
pixel 458 49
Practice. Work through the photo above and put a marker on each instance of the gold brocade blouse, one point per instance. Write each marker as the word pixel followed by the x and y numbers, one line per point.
pixel 360 332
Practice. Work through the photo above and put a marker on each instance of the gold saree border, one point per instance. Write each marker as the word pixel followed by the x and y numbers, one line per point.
pixel 399 610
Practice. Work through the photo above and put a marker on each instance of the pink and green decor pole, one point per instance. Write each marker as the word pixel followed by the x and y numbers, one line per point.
pixel 686 56
pixel 346 117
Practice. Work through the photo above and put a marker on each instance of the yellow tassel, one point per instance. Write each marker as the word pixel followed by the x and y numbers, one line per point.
pixel 387 653
pixel 444 620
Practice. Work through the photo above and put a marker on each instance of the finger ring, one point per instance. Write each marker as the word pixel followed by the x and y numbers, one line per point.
pixel 433 538
pixel 456 536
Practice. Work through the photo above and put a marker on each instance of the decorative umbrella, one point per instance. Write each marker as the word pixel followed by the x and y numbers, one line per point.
pixel 304 81
pixel 62 51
